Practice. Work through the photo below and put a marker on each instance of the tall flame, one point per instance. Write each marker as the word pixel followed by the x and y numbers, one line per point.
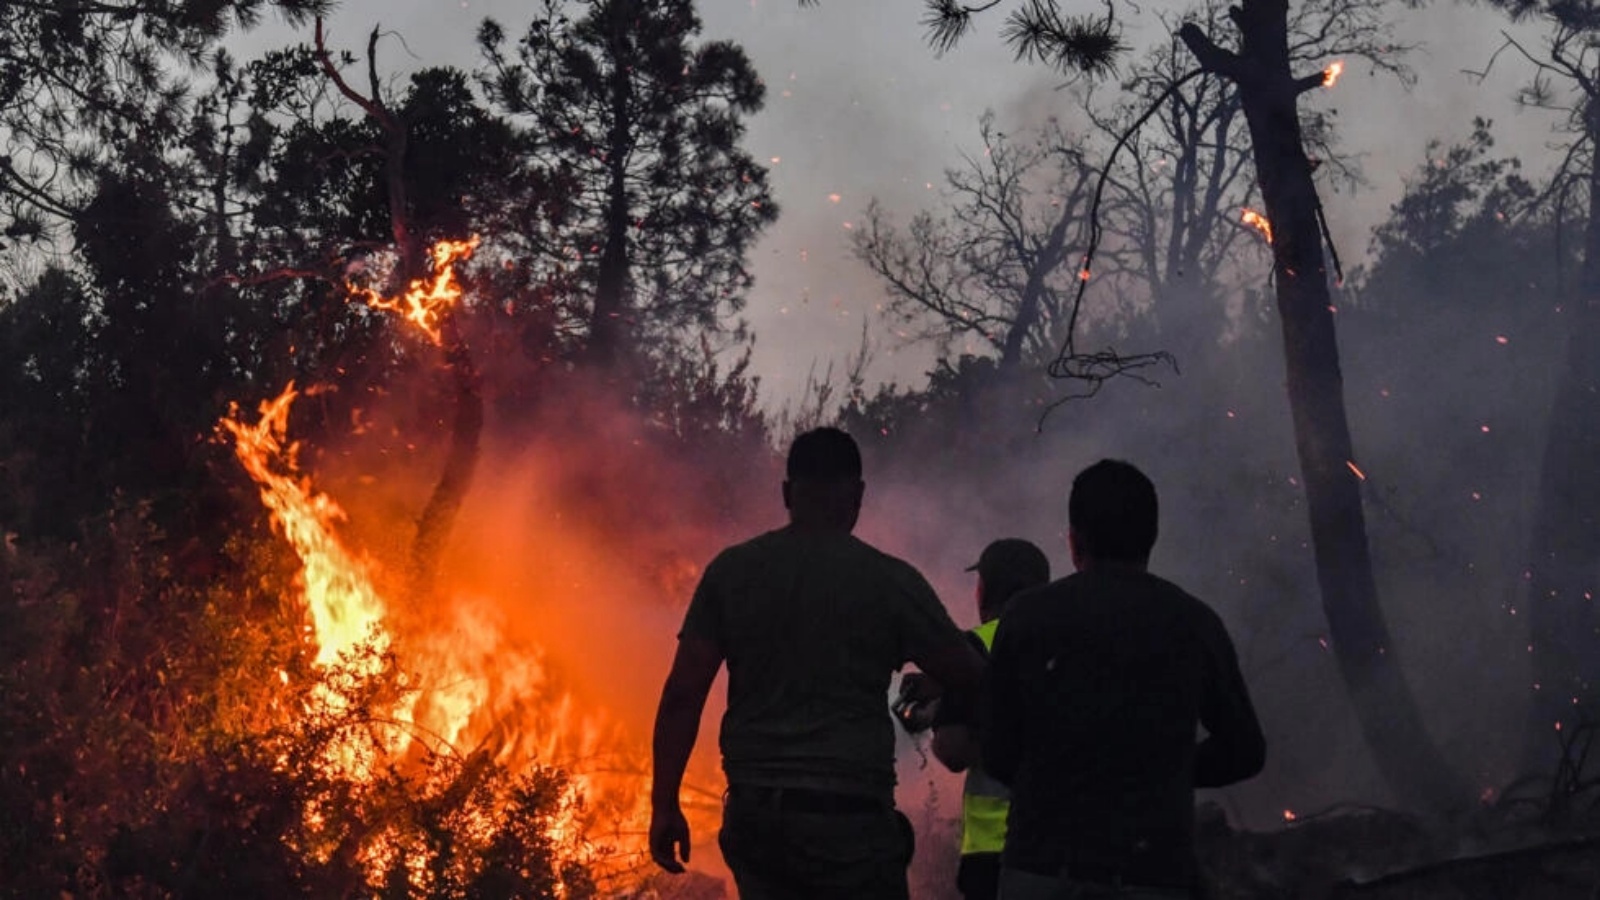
pixel 345 607
pixel 477 687
pixel 1331 74
pixel 1258 222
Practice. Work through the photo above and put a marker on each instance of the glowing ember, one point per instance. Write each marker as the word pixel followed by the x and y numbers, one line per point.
pixel 1356 470
pixel 1331 74
pixel 1288 815
pixel 1257 221
pixel 426 300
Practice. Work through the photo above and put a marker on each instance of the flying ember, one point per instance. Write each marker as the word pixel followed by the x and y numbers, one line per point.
pixel 1331 74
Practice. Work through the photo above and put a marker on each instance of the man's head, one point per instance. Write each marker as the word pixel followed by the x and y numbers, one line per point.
pixel 1111 515
pixel 823 487
pixel 1005 568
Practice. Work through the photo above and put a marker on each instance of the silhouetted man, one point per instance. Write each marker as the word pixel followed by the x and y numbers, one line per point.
pixel 1096 685
pixel 812 623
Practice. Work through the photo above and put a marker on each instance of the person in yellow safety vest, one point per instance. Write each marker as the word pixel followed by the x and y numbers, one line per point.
pixel 1006 568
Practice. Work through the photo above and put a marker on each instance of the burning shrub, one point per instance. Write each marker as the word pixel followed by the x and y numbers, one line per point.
pixel 158 746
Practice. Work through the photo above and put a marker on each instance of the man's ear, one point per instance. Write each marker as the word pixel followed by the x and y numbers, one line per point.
pixel 1072 548
pixel 786 504
pixel 861 492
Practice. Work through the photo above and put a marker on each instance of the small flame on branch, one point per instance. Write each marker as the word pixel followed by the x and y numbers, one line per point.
pixel 427 299
pixel 1258 222
pixel 1331 74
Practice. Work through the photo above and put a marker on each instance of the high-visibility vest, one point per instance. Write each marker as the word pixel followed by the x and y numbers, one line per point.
pixel 984 801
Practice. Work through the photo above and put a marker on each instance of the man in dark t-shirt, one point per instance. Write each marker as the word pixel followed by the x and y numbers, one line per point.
pixel 811 622
pixel 1096 685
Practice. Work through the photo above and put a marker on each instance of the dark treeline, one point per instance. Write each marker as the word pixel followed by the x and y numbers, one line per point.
pixel 181 231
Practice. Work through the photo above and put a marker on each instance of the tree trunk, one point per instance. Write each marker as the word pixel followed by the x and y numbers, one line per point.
pixel 1027 317
pixel 608 333
pixel 1563 615
pixel 1405 754
pixel 439 516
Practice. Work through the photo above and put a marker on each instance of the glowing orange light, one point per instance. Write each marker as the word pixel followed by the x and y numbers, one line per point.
pixel 476 686
pixel 1258 222
pixel 1356 470
pixel 1288 815
pixel 1331 74
pixel 345 608
pixel 1083 274
pixel 426 300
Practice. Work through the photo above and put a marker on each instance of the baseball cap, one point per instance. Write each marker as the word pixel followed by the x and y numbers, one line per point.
pixel 1014 560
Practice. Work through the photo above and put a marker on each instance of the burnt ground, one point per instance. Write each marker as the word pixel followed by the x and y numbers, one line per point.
pixel 1375 854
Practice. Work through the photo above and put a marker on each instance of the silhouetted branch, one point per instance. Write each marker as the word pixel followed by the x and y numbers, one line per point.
pixel 1094 368
pixel 1037 31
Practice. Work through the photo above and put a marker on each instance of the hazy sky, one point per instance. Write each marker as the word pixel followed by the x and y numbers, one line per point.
pixel 859 106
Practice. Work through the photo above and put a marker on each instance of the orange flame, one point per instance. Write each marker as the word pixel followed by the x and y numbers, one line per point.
pixel 1258 222
pixel 477 687
pixel 1331 74
pixel 426 300
pixel 1355 469
pixel 345 608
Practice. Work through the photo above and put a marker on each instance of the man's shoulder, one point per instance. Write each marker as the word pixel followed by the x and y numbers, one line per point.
pixel 1180 595
pixel 784 543
pixel 893 565
pixel 1048 599
pixel 735 557
pixel 1040 600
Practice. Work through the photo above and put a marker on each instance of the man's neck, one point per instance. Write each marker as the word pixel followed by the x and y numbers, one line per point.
pixel 804 525
pixel 1114 566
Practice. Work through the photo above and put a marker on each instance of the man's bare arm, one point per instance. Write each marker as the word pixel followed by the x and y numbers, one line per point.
pixel 683 699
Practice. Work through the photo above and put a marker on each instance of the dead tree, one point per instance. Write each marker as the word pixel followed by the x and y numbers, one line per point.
pixel 990 266
pixel 444 503
pixel 1268 90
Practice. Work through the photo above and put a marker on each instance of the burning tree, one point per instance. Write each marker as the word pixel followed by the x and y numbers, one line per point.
pixel 1269 91
pixel 1261 72
pixel 181 709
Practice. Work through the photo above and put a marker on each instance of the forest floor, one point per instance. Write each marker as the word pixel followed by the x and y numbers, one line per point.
pixel 1364 853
